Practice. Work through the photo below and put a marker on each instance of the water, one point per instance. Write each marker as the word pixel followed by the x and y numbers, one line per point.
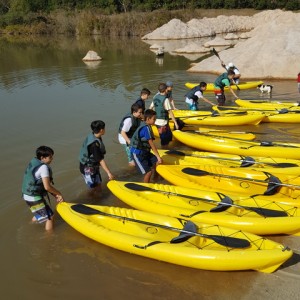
pixel 49 96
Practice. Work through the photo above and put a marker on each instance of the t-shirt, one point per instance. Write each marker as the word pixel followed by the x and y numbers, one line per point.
pixel 126 127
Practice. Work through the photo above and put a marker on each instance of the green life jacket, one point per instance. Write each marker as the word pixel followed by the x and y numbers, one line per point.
pixel 219 83
pixel 139 143
pixel 161 112
pixel 135 124
pixel 32 186
pixel 192 92
pixel 84 157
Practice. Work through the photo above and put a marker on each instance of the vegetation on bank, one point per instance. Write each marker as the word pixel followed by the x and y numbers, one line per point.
pixel 114 17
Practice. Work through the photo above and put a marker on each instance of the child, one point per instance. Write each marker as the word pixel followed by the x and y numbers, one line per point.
pixel 37 183
pixel 219 85
pixel 237 74
pixel 141 145
pixel 196 93
pixel 91 157
pixel 169 94
pixel 161 105
pixel 145 93
pixel 127 127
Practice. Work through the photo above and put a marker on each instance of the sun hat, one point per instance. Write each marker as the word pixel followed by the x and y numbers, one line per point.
pixel 230 65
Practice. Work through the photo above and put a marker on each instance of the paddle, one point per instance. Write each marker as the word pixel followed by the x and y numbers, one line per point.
pixel 223 205
pixel 222 240
pixel 217 55
pixel 273 184
pixel 275 111
pixel 245 162
pixel 215 113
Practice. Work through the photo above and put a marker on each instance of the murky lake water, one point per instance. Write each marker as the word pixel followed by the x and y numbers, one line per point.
pixel 49 96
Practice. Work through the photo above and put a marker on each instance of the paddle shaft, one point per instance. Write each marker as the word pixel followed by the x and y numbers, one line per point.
pixel 222 240
pixel 250 159
pixel 217 55
pixel 261 211
pixel 198 172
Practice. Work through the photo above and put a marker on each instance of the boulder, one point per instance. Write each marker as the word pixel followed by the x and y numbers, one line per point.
pixel 218 41
pixel 231 36
pixel 91 56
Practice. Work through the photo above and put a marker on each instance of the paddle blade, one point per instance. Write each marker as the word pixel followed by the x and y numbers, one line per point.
pixel 248 161
pixel 230 242
pixel 189 230
pixel 215 52
pixel 223 205
pixel 273 186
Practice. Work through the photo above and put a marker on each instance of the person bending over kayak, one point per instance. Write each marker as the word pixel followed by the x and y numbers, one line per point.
pixel 220 83
pixel 37 183
pixel 196 93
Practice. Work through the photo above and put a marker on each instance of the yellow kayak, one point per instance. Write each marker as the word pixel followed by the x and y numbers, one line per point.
pixel 239 147
pixel 214 132
pixel 224 120
pixel 262 217
pixel 265 104
pixel 266 164
pixel 241 86
pixel 236 180
pixel 173 240
pixel 271 116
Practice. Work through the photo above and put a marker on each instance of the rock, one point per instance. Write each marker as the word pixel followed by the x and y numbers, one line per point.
pixel 91 56
pixel 244 35
pixel 272 49
pixel 155 46
pixel 192 48
pixel 231 36
pixel 218 41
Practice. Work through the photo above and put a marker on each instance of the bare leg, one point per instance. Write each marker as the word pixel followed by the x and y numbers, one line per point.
pixel 49 224
pixel 147 177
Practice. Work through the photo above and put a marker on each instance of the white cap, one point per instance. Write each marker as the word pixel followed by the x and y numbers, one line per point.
pixel 230 65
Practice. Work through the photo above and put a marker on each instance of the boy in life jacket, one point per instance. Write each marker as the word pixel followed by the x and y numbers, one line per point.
pixel 163 109
pixel 196 93
pixel 219 85
pixel 91 157
pixel 37 183
pixel 145 93
pixel 127 127
pixel 141 145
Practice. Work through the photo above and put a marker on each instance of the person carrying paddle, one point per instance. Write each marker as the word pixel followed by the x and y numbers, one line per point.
pixel 196 93
pixel 141 145
pixel 91 157
pixel 37 183
pixel 237 74
pixel 163 109
pixel 127 127
pixel 220 83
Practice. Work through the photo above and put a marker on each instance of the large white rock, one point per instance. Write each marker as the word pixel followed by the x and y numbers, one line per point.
pixel 271 51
